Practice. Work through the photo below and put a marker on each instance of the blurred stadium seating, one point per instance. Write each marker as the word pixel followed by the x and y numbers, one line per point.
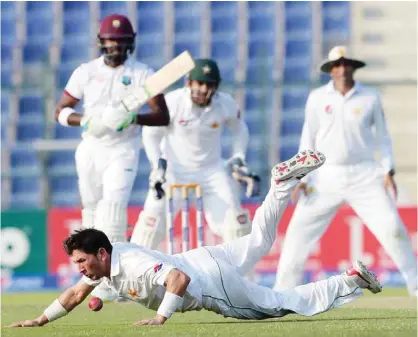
pixel 245 33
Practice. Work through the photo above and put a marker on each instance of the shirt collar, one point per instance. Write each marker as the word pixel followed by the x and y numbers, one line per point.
pixel 102 63
pixel 357 87
pixel 114 263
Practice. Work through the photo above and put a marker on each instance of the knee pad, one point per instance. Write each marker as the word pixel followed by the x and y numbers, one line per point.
pixel 111 218
pixel 149 230
pixel 236 224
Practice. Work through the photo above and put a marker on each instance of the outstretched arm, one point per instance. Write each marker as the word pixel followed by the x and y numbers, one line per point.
pixel 66 302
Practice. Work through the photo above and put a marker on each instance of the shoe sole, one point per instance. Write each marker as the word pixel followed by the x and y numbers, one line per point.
pixel 298 166
pixel 375 287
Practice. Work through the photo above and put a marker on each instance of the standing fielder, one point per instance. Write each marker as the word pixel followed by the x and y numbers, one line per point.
pixel 107 159
pixel 208 278
pixel 340 118
pixel 192 149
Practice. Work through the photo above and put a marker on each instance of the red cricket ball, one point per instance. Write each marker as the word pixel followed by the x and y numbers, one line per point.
pixel 95 304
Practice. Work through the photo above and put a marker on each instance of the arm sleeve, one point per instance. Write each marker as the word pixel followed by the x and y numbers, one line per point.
pixel 240 134
pixel 382 137
pixel 151 271
pixel 90 282
pixel 152 137
pixel 310 126
pixel 76 83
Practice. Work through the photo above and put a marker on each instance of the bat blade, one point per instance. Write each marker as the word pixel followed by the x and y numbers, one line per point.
pixel 169 74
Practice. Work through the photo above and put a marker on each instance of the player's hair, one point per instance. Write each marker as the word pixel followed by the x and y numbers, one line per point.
pixel 88 240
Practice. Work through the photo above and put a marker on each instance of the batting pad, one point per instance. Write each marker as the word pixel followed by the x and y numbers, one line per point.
pixel 236 224
pixel 149 230
pixel 111 218
pixel 87 217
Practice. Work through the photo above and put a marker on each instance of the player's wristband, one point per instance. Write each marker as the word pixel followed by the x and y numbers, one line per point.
pixel 169 304
pixel 64 114
pixel 55 311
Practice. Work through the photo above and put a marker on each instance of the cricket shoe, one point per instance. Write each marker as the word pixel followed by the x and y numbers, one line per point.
pixel 298 166
pixel 359 275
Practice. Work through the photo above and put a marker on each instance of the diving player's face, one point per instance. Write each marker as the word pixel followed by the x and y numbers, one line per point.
pixel 202 92
pixel 90 265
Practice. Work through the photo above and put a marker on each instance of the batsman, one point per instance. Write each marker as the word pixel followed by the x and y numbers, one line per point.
pixel 188 150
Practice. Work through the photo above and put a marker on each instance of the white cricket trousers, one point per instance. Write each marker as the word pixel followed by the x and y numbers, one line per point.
pixel 361 187
pixel 106 176
pixel 223 267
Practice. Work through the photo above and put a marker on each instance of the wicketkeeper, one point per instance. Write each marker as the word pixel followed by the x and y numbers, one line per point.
pixel 188 150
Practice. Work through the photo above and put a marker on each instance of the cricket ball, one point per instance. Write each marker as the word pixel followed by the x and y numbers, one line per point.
pixel 95 304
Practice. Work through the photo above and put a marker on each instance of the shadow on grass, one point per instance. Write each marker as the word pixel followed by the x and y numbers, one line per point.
pixel 282 321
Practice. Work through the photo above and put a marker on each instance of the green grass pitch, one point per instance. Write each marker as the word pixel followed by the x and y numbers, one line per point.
pixel 391 313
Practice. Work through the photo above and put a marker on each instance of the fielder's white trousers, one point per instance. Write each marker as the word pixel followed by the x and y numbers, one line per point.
pixel 361 187
pixel 223 267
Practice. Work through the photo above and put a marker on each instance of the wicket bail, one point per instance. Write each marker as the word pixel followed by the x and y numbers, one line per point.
pixel 185 224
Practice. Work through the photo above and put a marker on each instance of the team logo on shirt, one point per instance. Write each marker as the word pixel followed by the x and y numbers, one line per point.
pixel 126 80
pixel 214 125
pixel 183 122
pixel 132 292
pixel 357 111
pixel 158 267
pixel 310 190
pixel 328 109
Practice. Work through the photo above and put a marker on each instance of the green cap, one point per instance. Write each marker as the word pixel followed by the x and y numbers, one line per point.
pixel 205 70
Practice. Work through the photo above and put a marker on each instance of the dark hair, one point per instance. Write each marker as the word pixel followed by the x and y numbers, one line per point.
pixel 88 240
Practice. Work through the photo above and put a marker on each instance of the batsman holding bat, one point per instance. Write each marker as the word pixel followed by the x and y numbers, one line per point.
pixel 113 87
pixel 191 147
pixel 345 121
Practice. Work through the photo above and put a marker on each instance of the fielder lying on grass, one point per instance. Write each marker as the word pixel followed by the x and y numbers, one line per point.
pixel 210 278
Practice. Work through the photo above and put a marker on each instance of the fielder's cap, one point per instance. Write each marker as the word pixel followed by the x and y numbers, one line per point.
pixel 336 54
pixel 205 70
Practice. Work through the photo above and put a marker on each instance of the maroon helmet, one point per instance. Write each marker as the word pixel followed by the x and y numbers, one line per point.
pixel 117 28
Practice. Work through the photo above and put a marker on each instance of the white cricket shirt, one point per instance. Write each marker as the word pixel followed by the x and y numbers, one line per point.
pixel 99 85
pixel 192 140
pixel 347 129
pixel 138 274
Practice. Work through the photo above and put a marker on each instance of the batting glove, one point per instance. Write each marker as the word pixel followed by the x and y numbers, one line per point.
pixel 94 126
pixel 157 179
pixel 242 174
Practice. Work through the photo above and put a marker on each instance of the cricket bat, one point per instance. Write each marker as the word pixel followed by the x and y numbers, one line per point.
pixel 154 85
pixel 161 80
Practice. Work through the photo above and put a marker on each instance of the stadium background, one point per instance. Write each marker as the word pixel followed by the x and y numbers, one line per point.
pixel 268 53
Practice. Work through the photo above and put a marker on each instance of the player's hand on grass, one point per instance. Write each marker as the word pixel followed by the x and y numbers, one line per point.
pixel 29 323
pixel 158 320
pixel 390 185
pixel 301 188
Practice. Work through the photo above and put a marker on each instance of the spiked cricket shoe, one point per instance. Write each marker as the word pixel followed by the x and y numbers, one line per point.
pixel 359 275
pixel 298 166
